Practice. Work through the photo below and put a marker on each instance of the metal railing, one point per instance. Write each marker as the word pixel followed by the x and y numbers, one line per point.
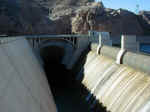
pixel 36 40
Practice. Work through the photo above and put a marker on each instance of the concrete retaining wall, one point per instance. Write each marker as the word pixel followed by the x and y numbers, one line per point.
pixel 134 60
pixel 23 85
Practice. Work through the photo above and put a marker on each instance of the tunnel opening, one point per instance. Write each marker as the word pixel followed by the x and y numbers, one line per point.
pixel 69 95
pixel 52 57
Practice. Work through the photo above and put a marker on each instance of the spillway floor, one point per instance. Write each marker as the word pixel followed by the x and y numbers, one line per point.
pixel 70 99
pixel 69 95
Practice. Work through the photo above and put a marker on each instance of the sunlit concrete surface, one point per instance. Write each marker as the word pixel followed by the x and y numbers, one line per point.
pixel 23 85
pixel 118 87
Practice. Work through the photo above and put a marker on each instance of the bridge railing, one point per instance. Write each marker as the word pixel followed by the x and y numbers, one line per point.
pixel 36 40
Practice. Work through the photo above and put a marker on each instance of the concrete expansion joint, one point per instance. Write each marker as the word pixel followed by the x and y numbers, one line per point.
pixel 120 56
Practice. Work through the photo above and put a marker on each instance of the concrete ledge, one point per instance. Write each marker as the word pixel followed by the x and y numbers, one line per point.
pixel 110 52
pixel 137 61
pixel 134 60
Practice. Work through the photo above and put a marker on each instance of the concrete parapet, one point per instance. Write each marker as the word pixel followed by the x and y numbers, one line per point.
pixel 108 51
pixel 129 42
pixel 101 38
pixel 137 61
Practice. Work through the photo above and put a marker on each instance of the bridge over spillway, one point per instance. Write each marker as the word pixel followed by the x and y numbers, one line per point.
pixel 73 73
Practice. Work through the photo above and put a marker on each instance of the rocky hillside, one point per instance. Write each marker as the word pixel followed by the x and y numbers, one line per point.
pixel 18 17
pixel 97 17
pixel 53 3
pixel 22 17
pixel 144 19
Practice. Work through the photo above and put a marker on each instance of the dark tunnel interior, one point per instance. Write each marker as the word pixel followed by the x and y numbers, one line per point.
pixel 52 57
pixel 68 94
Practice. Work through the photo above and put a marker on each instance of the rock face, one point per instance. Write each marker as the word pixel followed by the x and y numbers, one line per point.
pixel 22 17
pixel 19 17
pixel 54 3
pixel 102 19
pixel 144 18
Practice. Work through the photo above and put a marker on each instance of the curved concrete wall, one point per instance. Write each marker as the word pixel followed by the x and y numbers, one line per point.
pixel 137 61
pixel 23 85
pixel 108 51
pixel 134 60
pixel 120 88
pixel 64 44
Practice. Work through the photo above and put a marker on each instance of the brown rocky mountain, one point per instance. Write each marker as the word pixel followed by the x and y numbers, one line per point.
pixel 54 3
pixel 18 17
pixel 22 17
pixel 144 19
pixel 104 19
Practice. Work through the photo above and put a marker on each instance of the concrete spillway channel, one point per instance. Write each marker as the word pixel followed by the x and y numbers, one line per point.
pixel 95 83
pixel 66 92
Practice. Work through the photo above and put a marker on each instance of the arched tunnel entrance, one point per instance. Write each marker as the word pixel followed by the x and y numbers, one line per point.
pixel 57 74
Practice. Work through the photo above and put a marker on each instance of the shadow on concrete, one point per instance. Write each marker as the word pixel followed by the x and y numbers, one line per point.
pixel 93 103
pixel 69 94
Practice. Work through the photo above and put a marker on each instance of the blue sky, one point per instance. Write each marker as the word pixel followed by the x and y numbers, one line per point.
pixel 127 4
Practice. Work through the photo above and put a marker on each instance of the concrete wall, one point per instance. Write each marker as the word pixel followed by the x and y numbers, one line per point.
pixel 119 87
pixel 141 39
pixel 23 85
